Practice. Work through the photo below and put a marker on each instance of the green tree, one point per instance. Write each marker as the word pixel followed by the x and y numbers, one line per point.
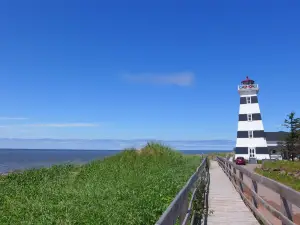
pixel 281 146
pixel 291 143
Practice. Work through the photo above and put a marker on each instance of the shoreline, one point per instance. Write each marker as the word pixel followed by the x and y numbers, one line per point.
pixel 18 159
pixel 210 154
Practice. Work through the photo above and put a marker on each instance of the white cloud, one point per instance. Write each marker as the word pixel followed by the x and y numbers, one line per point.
pixel 63 125
pixel 12 118
pixel 179 79
pixel 51 125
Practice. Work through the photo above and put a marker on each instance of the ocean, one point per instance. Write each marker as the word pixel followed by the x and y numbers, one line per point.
pixel 20 159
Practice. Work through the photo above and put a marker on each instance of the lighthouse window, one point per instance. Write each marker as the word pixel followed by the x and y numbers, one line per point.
pixel 250 133
pixel 249 116
pixel 248 99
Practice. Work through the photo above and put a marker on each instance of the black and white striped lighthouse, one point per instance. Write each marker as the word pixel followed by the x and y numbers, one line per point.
pixel 251 140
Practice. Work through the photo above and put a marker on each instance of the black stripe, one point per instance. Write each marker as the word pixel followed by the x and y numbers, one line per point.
pixel 259 133
pixel 242 134
pixel 243 117
pixel 241 150
pixel 243 100
pixel 256 134
pixel 255 116
pixel 254 99
pixel 262 150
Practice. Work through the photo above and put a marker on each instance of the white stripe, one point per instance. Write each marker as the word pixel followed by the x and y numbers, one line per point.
pixel 244 93
pixel 250 94
pixel 249 108
pixel 252 125
pixel 251 142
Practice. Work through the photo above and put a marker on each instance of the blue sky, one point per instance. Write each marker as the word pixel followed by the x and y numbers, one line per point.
pixel 144 70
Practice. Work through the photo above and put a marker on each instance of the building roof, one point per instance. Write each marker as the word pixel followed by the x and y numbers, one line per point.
pixel 276 136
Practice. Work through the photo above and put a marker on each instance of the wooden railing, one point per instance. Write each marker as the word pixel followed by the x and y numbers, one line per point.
pixel 181 208
pixel 287 195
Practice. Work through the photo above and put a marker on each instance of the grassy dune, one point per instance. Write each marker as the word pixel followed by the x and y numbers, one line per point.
pixel 132 187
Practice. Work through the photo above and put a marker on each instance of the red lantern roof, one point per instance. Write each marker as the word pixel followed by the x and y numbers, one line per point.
pixel 248 81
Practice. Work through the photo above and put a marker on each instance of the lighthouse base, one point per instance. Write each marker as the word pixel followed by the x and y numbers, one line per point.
pixel 257 156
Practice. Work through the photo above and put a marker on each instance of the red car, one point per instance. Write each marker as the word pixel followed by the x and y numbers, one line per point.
pixel 240 161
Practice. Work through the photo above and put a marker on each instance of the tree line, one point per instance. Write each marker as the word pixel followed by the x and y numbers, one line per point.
pixel 290 145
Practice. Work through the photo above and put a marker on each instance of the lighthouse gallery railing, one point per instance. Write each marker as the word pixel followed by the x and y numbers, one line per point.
pixel 247 86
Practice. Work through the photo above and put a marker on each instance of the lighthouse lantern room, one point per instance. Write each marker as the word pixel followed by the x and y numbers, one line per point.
pixel 251 140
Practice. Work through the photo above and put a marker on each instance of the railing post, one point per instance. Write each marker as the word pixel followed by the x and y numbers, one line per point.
pixel 226 168
pixel 254 188
pixel 234 172
pixel 241 175
pixel 286 209
pixel 230 171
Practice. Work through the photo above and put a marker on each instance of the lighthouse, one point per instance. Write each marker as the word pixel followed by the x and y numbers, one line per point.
pixel 251 139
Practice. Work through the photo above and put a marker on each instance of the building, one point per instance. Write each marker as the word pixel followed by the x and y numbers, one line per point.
pixel 251 141
pixel 273 138
pixel 272 141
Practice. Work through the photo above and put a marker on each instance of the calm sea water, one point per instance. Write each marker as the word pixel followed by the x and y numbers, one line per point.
pixel 20 159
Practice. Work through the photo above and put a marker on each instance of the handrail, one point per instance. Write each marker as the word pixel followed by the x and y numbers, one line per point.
pixel 288 196
pixel 181 207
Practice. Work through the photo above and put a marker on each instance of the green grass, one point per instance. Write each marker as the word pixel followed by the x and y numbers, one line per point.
pixel 283 172
pixel 132 187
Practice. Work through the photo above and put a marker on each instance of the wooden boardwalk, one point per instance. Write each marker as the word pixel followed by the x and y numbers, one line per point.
pixel 225 203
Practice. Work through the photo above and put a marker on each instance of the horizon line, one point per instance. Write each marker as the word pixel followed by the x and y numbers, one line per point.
pixel 73 149
pixel 121 139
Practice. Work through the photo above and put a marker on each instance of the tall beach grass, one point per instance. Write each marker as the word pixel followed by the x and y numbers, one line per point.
pixel 132 187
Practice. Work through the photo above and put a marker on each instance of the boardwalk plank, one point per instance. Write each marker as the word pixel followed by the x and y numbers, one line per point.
pixel 225 203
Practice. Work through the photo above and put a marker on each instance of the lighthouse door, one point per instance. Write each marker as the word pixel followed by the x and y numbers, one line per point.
pixel 252 152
